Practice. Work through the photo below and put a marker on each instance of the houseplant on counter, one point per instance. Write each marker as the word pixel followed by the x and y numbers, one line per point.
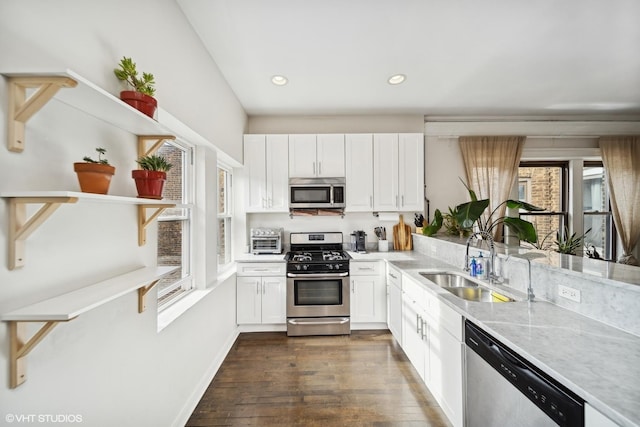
pixel 94 176
pixel 152 175
pixel 141 96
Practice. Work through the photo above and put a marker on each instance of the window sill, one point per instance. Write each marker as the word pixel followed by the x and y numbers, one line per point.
pixel 177 309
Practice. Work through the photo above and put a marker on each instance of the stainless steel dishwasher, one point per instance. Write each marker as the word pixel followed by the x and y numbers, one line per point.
pixel 503 389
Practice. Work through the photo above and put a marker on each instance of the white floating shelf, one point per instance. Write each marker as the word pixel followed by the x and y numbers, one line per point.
pixel 21 226
pixel 67 307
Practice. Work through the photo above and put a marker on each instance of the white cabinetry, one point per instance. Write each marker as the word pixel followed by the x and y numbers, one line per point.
pixel 398 172
pixel 432 340
pixel 261 293
pixel 359 172
pixel 266 166
pixel 312 156
pixel 394 302
pixel 368 292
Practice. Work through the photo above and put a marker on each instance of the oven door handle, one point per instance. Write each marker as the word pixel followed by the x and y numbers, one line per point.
pixel 317 275
pixel 340 321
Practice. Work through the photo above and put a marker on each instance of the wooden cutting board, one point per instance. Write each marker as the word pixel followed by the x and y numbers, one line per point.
pixel 402 236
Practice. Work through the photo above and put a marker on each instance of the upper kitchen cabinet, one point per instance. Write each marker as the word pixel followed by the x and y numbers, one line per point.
pixel 359 172
pixel 315 156
pixel 266 161
pixel 398 172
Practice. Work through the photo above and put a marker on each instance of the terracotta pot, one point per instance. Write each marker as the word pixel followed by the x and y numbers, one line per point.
pixel 144 103
pixel 94 177
pixel 149 183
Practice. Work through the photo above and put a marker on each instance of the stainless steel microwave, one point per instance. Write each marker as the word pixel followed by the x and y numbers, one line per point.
pixel 321 193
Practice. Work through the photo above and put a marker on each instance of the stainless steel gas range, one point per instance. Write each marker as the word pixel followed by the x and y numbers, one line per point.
pixel 318 300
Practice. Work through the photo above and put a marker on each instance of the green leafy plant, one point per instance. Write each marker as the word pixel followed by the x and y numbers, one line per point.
pixel 128 73
pixel 452 226
pixel 101 152
pixel 566 244
pixel 436 224
pixel 544 244
pixel 154 162
pixel 470 213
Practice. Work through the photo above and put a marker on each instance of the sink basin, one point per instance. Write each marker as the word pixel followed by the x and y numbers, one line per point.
pixel 449 280
pixel 478 293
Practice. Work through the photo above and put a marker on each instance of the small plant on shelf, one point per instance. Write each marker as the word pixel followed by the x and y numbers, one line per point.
pixel 566 244
pixel 101 152
pixel 152 175
pixel 154 162
pixel 94 176
pixel 142 96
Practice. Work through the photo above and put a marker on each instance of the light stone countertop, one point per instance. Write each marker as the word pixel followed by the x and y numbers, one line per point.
pixel 260 258
pixel 598 362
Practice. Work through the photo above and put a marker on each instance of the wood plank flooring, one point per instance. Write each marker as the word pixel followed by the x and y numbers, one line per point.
pixel 362 379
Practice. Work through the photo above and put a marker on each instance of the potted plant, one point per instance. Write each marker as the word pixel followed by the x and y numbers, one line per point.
pixel 152 175
pixel 94 176
pixel 141 96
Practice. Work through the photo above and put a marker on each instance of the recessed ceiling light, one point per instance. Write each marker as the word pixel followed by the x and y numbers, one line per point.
pixel 279 80
pixel 396 79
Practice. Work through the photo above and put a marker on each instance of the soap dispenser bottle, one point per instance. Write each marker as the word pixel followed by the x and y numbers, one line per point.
pixel 481 270
pixel 474 267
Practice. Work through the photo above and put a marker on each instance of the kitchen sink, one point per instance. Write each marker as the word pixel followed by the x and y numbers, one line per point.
pixel 464 288
pixel 478 293
pixel 448 280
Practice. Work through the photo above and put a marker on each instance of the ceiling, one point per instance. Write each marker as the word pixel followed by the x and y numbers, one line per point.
pixel 460 57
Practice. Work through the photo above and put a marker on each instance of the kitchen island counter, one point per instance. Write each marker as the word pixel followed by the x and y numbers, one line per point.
pixel 598 362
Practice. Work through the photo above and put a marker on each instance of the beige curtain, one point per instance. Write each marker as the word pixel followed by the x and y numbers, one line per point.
pixel 621 159
pixel 491 164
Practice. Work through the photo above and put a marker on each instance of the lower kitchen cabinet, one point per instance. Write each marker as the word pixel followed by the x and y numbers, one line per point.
pixel 432 340
pixel 368 292
pixel 593 418
pixel 261 294
pixel 394 303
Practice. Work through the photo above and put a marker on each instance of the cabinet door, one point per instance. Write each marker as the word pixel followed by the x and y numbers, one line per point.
pixel 277 173
pixel 359 172
pixel 412 343
pixel 451 390
pixel 593 418
pixel 364 299
pixel 411 172
pixel 248 300
pixel 330 156
pixel 302 156
pixel 274 300
pixel 385 172
pixel 255 171
pixel 394 311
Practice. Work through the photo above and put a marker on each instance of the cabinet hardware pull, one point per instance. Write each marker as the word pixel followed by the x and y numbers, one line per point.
pixel 391 274
pixel 319 168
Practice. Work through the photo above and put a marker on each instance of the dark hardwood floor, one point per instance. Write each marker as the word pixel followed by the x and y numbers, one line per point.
pixel 363 379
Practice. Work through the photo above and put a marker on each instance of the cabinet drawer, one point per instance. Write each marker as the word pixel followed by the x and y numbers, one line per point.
pixel 394 277
pixel 368 268
pixel 261 269
pixel 414 291
pixel 451 320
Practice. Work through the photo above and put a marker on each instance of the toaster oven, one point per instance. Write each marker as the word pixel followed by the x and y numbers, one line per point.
pixel 266 240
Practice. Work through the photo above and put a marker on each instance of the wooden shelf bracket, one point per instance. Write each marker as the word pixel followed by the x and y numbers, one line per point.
pixel 21 227
pixel 21 347
pixel 142 293
pixel 21 108
pixel 159 140
pixel 144 220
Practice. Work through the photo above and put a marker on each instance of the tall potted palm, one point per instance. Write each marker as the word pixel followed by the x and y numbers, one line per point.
pixel 152 175
pixel 94 176
pixel 141 96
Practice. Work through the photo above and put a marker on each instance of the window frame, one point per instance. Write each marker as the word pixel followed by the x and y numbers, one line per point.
pixel 226 216
pixel 185 284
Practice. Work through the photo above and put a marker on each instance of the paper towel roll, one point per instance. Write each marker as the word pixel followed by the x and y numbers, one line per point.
pixel 389 216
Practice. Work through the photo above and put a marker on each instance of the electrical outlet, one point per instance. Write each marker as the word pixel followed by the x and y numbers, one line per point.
pixel 569 293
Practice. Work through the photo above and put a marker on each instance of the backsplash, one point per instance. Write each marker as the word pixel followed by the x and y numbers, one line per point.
pixel 609 292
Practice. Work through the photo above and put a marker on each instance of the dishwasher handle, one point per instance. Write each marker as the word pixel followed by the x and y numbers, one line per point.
pixel 558 402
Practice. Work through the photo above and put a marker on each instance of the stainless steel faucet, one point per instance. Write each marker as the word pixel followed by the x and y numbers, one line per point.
pixel 492 255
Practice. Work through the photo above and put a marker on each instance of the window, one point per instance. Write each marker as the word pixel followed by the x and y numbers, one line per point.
pixel 224 217
pixel 545 184
pixel 174 225
pixel 597 212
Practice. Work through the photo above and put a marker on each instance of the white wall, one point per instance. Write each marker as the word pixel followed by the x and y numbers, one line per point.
pixel 109 365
